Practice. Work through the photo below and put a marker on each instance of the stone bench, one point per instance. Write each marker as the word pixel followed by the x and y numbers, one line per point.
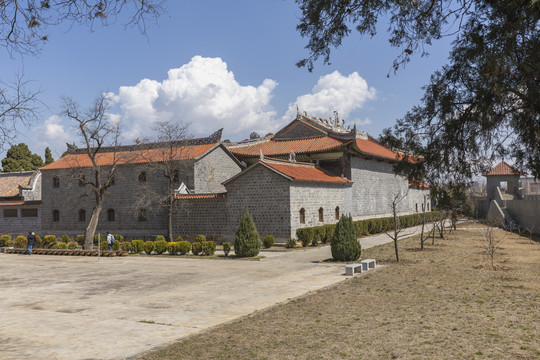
pixel 367 263
pixel 352 268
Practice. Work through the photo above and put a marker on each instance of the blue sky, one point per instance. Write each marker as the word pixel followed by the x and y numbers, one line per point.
pixel 216 64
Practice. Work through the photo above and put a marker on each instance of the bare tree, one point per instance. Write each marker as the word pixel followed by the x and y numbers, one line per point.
pixel 396 234
pixel 96 130
pixel 440 223
pixel 423 221
pixel 24 24
pixel 17 107
pixel 491 243
pixel 530 229
pixel 169 159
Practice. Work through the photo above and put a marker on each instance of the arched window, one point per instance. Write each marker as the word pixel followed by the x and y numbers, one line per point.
pixel 110 215
pixel 56 181
pixel 142 176
pixel 337 212
pixel 416 207
pixel 82 215
pixel 56 215
pixel 141 214
pixel 321 215
pixel 302 216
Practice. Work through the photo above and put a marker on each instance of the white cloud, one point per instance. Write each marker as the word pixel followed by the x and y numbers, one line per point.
pixel 203 92
pixel 334 92
pixel 53 134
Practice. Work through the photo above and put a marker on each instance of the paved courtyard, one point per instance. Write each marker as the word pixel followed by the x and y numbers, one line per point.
pixel 58 307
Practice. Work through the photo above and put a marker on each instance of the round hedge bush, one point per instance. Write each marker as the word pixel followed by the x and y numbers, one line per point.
pixel 196 248
pixel 268 242
pixel 62 245
pixel 39 242
pixel 226 248
pixel 20 242
pixel 179 238
pixel 172 248
pixel 4 238
pixel 72 245
pixel 208 248
pixel 49 241
pixel 137 246
pixel 160 237
pixel 184 247
pixel 80 239
pixel 149 247
pixel 160 247
pixel 200 238
pixel 65 239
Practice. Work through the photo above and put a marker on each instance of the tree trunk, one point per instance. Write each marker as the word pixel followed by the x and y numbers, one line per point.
pixel 423 223
pixel 396 231
pixel 91 228
pixel 170 217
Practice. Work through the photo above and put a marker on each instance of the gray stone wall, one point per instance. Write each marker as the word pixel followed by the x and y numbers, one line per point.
pixel 20 225
pixel 266 194
pixel 375 184
pixel 213 169
pixel 200 216
pixel 314 196
pixel 494 181
pixel 415 200
pixel 525 213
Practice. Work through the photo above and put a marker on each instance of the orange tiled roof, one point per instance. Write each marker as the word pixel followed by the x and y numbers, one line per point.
pixel 372 148
pixel 10 182
pixel 503 169
pixel 131 157
pixel 200 196
pixel 304 172
pixel 20 202
pixel 275 148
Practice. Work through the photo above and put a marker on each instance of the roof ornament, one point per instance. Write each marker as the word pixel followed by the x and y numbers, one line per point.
pixel 297 111
pixel 137 141
pixel 261 156
pixel 336 117
pixel 292 157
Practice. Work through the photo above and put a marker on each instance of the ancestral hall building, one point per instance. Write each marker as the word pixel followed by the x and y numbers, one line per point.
pixel 307 174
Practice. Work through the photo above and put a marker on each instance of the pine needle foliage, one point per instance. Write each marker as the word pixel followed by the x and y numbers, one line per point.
pixel 247 241
pixel 345 245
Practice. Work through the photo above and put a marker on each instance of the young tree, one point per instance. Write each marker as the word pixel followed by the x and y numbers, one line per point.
pixel 247 241
pixel 396 235
pixel 168 158
pixel 96 130
pixel 423 222
pixel 19 157
pixel 344 244
pixel 48 156
pixel 491 243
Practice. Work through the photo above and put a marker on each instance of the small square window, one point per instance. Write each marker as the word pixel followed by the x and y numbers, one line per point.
pixel 29 212
pixel 10 213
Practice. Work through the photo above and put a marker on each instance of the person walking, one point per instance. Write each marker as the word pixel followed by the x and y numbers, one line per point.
pixel 110 240
pixel 31 241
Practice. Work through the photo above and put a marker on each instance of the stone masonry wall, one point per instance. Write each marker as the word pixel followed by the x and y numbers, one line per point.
pixel 375 183
pixel 311 197
pixel 19 225
pixel 213 169
pixel 200 216
pixel 266 194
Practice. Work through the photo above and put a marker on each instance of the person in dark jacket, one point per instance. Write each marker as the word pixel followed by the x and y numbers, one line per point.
pixel 31 241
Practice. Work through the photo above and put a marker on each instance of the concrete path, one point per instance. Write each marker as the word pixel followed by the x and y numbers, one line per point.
pixel 54 307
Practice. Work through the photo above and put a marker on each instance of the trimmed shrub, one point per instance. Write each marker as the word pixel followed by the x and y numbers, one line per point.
pixel 65 239
pixel 226 248
pixel 39 242
pixel 62 245
pixel 318 234
pixel 161 247
pixel 137 246
pixel 149 247
pixel 184 247
pixel 291 244
pixel 72 245
pixel 49 241
pixel 315 241
pixel 104 246
pixel 160 238
pixel 118 238
pixel 80 239
pixel 268 242
pixel 345 245
pixel 54 246
pixel 179 238
pixel 103 239
pixel 4 240
pixel 196 248
pixel 329 232
pixel 305 236
pixel 200 238
pixel 20 242
pixel 208 248
pixel 116 246
pixel 125 246
pixel 247 242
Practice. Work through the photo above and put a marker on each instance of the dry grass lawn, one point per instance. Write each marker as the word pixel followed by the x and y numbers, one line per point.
pixel 445 302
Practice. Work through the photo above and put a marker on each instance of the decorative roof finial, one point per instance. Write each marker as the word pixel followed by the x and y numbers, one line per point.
pixel 292 157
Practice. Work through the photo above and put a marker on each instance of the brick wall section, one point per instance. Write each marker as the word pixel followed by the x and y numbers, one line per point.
pixel 266 194
pixel 311 197
pixel 374 186
pixel 200 216
pixel 19 225
pixel 213 169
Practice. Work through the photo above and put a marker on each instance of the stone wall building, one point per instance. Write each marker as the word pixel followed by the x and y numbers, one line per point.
pixel 20 202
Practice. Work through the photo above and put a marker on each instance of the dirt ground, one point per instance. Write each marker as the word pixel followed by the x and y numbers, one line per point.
pixel 445 302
